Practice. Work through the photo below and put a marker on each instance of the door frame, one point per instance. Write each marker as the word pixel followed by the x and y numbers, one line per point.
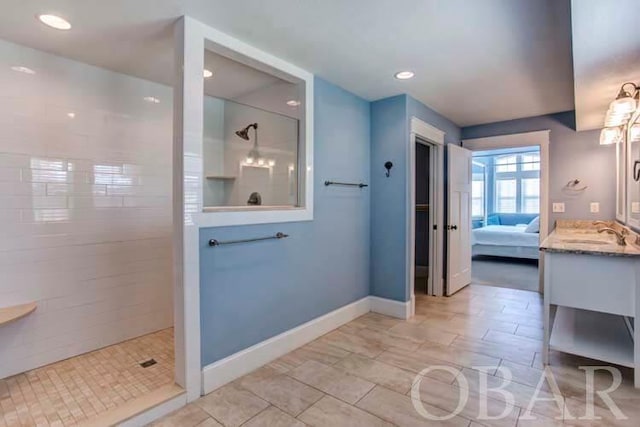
pixel 526 139
pixel 423 133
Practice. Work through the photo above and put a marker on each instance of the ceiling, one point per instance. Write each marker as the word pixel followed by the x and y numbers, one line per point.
pixel 606 54
pixel 475 61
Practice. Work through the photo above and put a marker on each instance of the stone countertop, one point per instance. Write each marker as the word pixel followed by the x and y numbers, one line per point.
pixel 582 237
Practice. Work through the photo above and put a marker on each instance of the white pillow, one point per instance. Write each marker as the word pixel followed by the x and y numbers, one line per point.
pixel 533 226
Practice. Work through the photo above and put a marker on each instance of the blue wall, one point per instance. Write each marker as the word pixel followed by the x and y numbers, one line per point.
pixel 390 128
pixel 572 155
pixel 389 134
pixel 249 293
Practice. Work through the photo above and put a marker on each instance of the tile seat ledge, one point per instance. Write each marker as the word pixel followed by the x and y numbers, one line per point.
pixel 14 312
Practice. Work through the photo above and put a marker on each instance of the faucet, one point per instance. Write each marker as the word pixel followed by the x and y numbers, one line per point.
pixel 620 236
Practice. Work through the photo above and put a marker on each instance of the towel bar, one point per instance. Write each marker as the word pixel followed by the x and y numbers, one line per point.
pixel 278 235
pixel 348 184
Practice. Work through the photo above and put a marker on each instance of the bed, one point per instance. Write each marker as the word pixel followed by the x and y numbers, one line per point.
pixel 505 241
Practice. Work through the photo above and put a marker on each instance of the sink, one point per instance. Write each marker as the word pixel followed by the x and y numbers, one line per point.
pixel 586 241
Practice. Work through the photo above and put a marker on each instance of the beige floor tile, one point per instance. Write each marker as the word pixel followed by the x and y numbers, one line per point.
pixel 576 413
pixel 377 372
pixel 330 412
pixel 522 394
pixel 383 338
pixel 187 416
pixel 231 405
pixel 273 417
pixel 282 391
pixel 530 332
pixel 4 390
pixel 507 317
pixel 416 363
pixel 451 398
pixel 423 332
pixel 399 410
pixel 521 373
pixel 496 325
pixel 209 422
pixel 332 381
pixel 375 321
pixel 317 350
pixel 464 358
pixel 513 341
pixel 79 388
pixel 514 354
pixel 353 343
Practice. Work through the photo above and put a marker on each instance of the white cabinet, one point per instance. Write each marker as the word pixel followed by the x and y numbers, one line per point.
pixel 588 301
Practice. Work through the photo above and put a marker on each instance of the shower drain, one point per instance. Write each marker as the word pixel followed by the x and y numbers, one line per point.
pixel 148 363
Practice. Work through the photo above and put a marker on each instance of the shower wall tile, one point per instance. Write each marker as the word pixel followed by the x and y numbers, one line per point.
pixel 85 207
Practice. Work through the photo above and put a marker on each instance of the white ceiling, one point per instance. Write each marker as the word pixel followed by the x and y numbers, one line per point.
pixel 475 61
pixel 606 54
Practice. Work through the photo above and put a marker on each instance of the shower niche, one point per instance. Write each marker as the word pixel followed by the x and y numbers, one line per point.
pixel 252 132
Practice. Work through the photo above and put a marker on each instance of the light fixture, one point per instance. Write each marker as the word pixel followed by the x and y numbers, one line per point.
pixel 71 115
pixel 613 119
pixel 207 73
pixel 260 161
pixel 624 102
pixel 248 160
pixel 21 69
pixel 403 75
pixel 610 136
pixel 272 163
pixel 293 103
pixel 152 99
pixel 634 133
pixel 55 21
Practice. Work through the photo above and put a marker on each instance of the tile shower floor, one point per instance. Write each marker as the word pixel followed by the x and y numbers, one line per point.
pixel 86 386
pixel 361 374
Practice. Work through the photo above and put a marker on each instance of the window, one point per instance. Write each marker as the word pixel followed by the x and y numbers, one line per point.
pixel 516 185
pixel 506 163
pixel 530 195
pixel 477 196
pixel 506 194
pixel 530 162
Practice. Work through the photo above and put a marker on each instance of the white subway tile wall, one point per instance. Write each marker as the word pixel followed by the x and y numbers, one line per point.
pixel 85 207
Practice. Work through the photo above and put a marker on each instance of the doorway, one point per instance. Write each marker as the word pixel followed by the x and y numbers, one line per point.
pixel 509 209
pixel 423 219
pixel 425 186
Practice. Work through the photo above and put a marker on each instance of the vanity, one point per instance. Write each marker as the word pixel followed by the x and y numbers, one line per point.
pixel 592 293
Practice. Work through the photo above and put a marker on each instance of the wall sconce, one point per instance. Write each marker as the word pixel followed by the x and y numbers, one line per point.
pixel 623 113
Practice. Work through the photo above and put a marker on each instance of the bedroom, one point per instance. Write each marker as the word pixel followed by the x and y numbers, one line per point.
pixel 506 217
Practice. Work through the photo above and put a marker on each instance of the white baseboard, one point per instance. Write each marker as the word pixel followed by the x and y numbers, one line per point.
pixel 401 310
pixel 228 369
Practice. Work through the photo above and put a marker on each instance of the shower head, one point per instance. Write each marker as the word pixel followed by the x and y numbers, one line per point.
pixel 244 133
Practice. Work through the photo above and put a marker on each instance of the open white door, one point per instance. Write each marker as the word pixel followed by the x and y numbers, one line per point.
pixel 458 219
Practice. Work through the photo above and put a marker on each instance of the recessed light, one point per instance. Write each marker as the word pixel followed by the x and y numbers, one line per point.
pixel 21 69
pixel 152 99
pixel 207 73
pixel 55 21
pixel 293 103
pixel 71 115
pixel 403 75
